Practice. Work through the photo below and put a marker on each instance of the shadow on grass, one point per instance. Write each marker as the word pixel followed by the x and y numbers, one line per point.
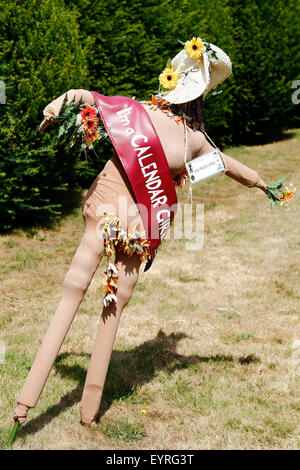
pixel 68 204
pixel 127 371
pixel 268 137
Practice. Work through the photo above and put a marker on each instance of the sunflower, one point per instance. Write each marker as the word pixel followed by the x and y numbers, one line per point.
pixel 169 78
pixel 194 48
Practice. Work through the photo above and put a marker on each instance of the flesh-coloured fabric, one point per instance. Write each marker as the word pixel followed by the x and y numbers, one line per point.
pixel 111 190
pixel 76 282
pixel 128 269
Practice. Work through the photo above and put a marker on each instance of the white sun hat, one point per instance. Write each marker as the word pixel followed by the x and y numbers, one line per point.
pixel 193 77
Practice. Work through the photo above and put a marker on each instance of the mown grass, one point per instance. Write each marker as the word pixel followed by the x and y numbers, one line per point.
pixel 203 355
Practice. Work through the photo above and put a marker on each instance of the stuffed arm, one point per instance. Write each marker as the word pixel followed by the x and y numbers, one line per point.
pixel 52 109
pixel 242 173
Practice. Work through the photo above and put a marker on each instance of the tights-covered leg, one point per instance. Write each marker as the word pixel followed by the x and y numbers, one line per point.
pixel 76 282
pixel 128 271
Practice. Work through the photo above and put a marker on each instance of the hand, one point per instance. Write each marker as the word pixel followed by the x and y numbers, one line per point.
pixel 45 123
pixel 51 110
pixel 262 185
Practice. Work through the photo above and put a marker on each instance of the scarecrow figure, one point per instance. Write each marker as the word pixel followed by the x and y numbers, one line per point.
pixel 154 141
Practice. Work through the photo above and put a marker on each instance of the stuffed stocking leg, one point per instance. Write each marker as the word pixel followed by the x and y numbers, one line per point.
pixel 128 271
pixel 76 282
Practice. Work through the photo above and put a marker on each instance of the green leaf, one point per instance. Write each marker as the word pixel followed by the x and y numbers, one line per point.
pixel 63 105
pixel 276 184
pixel 274 194
pixel 169 65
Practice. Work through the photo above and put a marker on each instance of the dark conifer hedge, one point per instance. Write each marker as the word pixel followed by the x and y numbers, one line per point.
pixel 40 56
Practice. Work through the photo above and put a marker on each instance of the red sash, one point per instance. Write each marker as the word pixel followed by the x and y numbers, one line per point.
pixel 141 154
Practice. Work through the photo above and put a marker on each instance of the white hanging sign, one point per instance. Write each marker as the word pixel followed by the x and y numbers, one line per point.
pixel 206 165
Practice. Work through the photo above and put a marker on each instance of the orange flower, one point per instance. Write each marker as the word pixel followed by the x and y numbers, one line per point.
pixel 89 119
pixel 287 196
pixel 110 284
pixel 161 103
pixel 89 139
pixel 154 100
pixel 88 112
pixel 91 123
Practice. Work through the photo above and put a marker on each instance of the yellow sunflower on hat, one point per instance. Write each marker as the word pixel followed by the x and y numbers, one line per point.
pixel 169 78
pixel 194 48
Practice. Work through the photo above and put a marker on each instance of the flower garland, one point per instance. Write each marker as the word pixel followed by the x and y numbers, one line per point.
pixel 134 242
pixel 164 105
pixel 80 122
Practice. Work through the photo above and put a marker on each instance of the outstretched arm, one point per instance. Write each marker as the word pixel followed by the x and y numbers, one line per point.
pixel 52 109
pixel 242 173
pixel 235 169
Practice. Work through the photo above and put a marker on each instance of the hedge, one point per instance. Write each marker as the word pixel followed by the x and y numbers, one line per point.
pixel 40 55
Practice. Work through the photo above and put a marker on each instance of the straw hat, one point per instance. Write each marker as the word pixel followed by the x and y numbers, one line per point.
pixel 194 71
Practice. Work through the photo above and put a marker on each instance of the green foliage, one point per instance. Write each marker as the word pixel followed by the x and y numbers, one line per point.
pixel 40 53
pixel 123 431
pixel 266 58
pixel 67 117
pixel 273 188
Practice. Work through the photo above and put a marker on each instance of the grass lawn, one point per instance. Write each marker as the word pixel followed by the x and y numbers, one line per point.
pixel 205 345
